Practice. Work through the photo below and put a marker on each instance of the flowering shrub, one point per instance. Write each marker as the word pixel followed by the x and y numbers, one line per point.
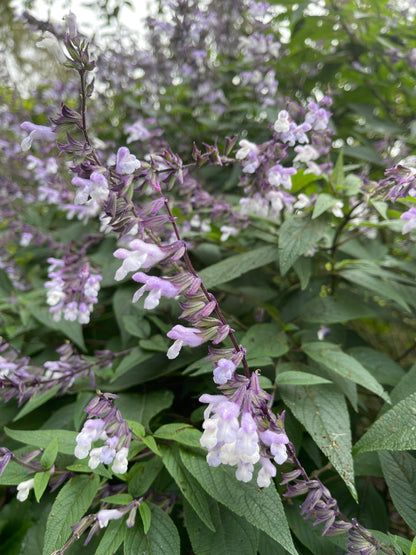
pixel 265 201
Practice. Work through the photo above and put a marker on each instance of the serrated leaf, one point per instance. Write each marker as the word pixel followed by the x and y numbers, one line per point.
pixel 232 535
pixel 265 340
pixel 112 538
pixel 161 539
pixel 179 432
pixel 146 516
pixel 333 358
pixel 49 455
pixel 42 438
pixel 35 402
pixel 399 471
pixel 395 430
pixel 297 235
pixel 190 488
pixel 324 413
pixel 261 508
pixel 291 377
pixel 40 483
pixel 71 330
pixel 238 265
pixel 71 503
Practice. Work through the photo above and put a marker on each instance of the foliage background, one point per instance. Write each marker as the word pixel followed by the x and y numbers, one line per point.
pixel 360 281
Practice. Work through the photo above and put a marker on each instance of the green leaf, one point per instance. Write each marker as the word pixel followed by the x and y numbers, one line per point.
pixel 265 340
pixel 142 407
pixel 137 327
pixel 118 499
pixel 41 480
pixel 189 487
pixel 142 475
pixel 291 377
pixel 393 431
pixel 399 471
pixel 35 402
pixel 303 269
pixel 380 287
pixel 337 176
pixel 146 516
pixel 49 455
pixel 71 330
pixel 112 538
pixel 238 265
pixel 324 413
pixel 324 202
pixel 42 438
pixel 161 539
pixel 179 432
pixel 339 308
pixel 297 235
pixel 128 362
pixel 231 535
pixel 261 508
pixel 383 368
pixel 71 503
pixel 333 358
pixel 405 387
pixel 13 474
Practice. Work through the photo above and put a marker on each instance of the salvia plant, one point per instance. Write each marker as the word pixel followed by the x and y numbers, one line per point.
pixel 207 281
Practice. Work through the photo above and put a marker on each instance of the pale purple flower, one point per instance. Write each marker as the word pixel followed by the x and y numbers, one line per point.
pixel 305 153
pixel 71 21
pixel 224 371
pixel 92 430
pixel 126 163
pixel 410 220
pixel 36 132
pixel 105 515
pixel 137 132
pixel 282 124
pixel 106 425
pixel 277 443
pixel 183 336
pixel 94 189
pixel 143 255
pixel 248 153
pixel 317 117
pixel 323 332
pixel 157 288
pixel 278 175
pixel 266 473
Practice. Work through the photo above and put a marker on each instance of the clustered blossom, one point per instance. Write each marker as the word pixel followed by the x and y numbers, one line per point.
pixel 267 175
pixel 21 379
pixel 104 423
pixel 72 288
pixel 400 181
pixel 239 429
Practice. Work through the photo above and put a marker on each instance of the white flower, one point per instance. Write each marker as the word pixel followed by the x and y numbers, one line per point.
pixel 24 488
